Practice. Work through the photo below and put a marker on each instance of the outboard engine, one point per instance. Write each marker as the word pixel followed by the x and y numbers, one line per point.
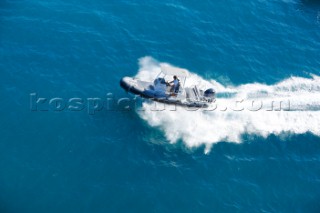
pixel 209 94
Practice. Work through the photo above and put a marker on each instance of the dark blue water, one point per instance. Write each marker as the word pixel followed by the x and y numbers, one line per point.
pixel 65 160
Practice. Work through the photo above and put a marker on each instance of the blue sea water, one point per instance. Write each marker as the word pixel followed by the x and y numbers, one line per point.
pixel 114 160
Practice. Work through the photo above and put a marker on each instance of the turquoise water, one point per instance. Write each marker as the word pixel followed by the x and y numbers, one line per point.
pixel 115 160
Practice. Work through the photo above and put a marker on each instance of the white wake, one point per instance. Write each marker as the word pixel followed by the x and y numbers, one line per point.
pixel 288 107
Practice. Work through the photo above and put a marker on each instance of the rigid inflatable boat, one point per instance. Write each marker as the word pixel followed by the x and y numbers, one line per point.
pixel 169 87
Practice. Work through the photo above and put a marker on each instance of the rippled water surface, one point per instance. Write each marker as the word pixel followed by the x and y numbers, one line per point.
pixel 115 160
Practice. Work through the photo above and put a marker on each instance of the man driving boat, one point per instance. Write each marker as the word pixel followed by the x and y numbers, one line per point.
pixel 175 85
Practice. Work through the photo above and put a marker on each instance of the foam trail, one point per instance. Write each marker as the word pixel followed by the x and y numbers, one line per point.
pixel 300 112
